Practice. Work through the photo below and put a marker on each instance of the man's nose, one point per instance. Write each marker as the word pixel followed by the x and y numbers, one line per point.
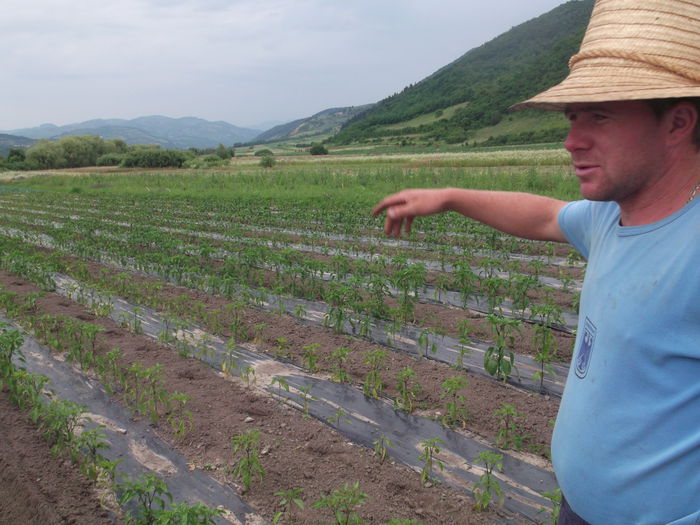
pixel 577 139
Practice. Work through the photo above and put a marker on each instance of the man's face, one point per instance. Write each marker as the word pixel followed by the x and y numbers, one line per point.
pixel 616 149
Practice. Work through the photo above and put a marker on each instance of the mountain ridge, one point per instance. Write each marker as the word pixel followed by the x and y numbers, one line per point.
pixel 168 132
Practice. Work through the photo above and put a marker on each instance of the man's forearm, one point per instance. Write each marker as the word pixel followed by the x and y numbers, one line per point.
pixel 521 214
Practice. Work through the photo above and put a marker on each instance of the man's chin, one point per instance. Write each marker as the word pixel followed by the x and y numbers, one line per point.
pixel 591 194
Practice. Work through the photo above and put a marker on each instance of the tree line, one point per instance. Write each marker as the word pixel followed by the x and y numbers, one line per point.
pixel 92 150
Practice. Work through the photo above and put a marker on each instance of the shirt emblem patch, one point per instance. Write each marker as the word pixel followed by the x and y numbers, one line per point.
pixel 583 357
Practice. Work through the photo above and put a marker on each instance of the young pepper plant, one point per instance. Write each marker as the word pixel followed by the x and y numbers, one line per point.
pixel 487 489
pixel 499 361
pixel 249 464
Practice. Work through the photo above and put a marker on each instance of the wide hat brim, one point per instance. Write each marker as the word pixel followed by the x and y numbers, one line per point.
pixel 632 51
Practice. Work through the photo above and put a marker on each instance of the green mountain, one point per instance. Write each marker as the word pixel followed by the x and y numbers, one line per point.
pixel 317 127
pixel 476 90
pixel 8 142
pixel 176 133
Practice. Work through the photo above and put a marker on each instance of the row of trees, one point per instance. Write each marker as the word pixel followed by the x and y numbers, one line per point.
pixel 91 150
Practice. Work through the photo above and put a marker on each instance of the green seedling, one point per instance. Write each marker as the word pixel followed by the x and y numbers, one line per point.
pixel 408 388
pixel 281 384
pixel 464 328
pixel 237 325
pixel 306 398
pixel 509 435
pixel 248 464
pixel 25 391
pixel 289 499
pixel 339 356
pixel 58 422
pixel 547 315
pixel 431 447
pixel 343 503
pixel 282 346
pixel 455 411
pixel 102 308
pixel 487 489
pixel 85 449
pixel 179 418
pixel 491 286
pixel 107 472
pixel 182 513
pixel 499 360
pixel 300 311
pixel 228 363
pixel 248 375
pixel 555 497
pixel 381 446
pixel 109 370
pixel 338 417
pixel 153 395
pixel 258 331
pixel 425 342
pixel 373 385
pixel 150 493
pixel 136 324
pixel 310 355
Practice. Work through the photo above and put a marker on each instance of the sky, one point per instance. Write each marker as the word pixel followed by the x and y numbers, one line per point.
pixel 251 63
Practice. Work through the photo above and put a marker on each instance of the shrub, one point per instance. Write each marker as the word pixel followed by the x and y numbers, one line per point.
pixel 267 161
pixel 318 149
pixel 263 153
pixel 110 159
pixel 206 161
pixel 154 158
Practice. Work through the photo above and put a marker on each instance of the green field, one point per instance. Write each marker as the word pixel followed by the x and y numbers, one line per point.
pixel 276 280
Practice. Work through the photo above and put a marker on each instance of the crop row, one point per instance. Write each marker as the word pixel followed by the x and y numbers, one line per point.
pixel 346 296
pixel 467 273
pixel 243 218
pixel 431 458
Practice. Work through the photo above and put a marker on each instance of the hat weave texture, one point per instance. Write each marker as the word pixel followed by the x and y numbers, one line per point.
pixel 632 50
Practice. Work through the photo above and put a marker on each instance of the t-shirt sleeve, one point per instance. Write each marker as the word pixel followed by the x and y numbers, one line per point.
pixel 575 223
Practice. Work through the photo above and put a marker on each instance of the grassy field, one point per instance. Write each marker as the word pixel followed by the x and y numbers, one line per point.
pixel 343 177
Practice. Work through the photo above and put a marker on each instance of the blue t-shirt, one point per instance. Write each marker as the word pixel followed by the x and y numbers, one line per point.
pixel 626 444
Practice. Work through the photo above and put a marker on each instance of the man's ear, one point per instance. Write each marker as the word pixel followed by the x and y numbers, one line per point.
pixel 681 120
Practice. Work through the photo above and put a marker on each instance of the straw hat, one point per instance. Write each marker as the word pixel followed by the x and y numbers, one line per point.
pixel 632 50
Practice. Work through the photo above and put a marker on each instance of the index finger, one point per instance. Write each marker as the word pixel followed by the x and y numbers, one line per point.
pixel 387 202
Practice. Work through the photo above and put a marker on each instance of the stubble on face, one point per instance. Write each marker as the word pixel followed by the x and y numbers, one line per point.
pixel 614 149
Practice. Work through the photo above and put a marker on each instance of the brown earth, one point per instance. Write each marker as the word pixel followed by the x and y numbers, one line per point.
pixel 36 487
pixel 296 452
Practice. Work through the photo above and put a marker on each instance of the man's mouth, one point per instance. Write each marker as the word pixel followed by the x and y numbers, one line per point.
pixel 583 169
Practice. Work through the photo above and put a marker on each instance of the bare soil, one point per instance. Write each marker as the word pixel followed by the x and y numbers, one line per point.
pixel 36 487
pixel 296 452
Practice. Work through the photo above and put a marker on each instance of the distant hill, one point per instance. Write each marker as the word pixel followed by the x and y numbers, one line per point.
pixel 317 127
pixel 475 91
pixel 8 142
pixel 176 133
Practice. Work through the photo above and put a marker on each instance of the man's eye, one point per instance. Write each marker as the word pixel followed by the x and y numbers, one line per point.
pixel 599 117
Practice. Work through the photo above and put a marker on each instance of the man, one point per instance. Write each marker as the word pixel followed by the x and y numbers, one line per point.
pixel 626 444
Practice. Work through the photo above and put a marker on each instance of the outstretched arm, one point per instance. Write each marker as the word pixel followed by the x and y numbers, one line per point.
pixel 521 214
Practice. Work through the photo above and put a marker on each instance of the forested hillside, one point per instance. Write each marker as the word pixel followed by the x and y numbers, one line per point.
pixel 484 82
pixel 318 126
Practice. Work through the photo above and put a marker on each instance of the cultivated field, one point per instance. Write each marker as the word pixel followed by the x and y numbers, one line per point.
pixel 249 338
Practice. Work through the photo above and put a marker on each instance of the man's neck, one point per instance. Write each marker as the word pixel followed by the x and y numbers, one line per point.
pixel 666 196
